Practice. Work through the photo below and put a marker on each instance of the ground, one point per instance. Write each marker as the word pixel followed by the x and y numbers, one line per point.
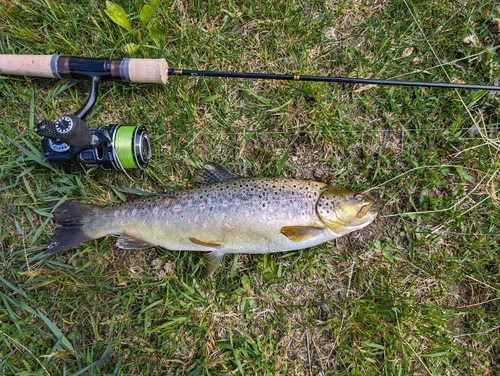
pixel 416 292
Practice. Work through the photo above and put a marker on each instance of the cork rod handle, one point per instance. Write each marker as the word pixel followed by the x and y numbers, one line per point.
pixel 29 65
pixel 152 71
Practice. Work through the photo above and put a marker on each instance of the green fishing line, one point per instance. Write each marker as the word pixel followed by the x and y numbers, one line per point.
pixel 123 143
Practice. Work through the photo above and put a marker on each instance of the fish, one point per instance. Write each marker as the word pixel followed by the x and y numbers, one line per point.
pixel 224 213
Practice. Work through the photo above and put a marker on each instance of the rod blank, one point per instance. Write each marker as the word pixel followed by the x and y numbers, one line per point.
pixel 343 80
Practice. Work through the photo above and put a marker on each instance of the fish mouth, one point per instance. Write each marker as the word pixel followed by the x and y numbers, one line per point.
pixel 365 209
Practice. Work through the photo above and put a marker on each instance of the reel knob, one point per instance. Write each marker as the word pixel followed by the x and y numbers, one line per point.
pixel 73 130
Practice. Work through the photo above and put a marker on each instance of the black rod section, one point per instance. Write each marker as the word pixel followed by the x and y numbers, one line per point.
pixel 345 80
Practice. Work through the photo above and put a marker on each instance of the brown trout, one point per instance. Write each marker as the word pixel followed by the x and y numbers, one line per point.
pixel 226 213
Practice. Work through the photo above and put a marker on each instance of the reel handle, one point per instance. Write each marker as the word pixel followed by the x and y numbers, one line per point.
pixel 69 129
pixel 73 130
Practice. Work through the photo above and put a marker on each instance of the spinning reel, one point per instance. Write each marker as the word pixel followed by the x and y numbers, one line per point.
pixel 69 140
pixel 114 146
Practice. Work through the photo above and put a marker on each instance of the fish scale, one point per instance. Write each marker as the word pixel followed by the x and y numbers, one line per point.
pixel 225 214
pixel 212 213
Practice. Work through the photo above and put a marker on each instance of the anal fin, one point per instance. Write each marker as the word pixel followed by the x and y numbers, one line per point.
pixel 301 233
pixel 212 261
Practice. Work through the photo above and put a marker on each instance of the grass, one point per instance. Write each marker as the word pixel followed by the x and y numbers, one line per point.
pixel 417 292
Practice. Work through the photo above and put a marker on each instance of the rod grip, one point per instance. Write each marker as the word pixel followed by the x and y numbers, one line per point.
pixel 153 71
pixel 29 65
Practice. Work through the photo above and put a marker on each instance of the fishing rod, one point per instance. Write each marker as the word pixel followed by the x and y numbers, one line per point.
pixel 69 140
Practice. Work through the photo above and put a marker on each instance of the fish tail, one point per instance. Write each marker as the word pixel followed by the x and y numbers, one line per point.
pixel 71 217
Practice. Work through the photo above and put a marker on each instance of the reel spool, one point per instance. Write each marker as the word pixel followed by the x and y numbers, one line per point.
pixel 131 145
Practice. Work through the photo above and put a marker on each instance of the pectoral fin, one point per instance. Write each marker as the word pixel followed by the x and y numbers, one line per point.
pixel 205 244
pixel 301 233
pixel 127 241
pixel 212 261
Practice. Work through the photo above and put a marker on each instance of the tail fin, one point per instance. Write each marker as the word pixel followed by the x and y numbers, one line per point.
pixel 71 219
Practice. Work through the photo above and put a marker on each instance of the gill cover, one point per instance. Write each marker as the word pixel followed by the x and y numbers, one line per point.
pixel 344 211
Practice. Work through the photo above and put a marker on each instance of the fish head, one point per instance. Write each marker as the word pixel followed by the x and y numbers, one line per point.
pixel 344 211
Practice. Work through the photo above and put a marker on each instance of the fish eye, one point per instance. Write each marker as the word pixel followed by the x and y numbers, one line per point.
pixel 358 198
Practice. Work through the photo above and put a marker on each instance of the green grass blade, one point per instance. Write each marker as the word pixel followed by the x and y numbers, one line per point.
pixel 56 331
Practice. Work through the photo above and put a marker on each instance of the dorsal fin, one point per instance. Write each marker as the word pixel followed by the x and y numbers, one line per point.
pixel 213 172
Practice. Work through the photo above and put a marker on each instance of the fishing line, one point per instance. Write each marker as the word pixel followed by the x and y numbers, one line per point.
pixel 298 131
pixel 123 146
